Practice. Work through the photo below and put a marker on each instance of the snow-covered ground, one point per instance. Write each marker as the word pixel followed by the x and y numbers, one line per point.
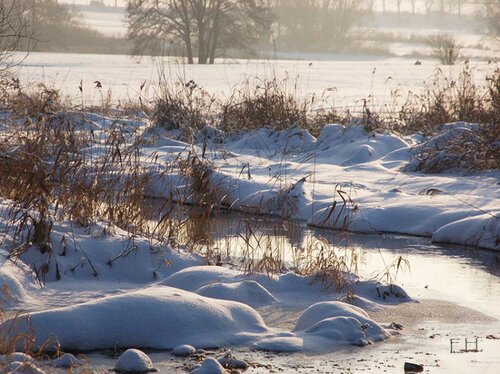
pixel 106 289
pixel 347 178
pixel 342 82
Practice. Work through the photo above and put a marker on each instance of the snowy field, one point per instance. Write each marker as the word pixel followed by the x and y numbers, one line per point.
pixel 343 82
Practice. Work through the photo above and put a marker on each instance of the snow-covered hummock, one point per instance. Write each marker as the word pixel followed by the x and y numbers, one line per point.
pixel 156 317
pixel 249 292
pixel 209 366
pixel 134 361
pixel 324 326
pixel 287 289
pixel 17 282
pixel 340 322
pixel 67 360
pixel 107 254
pixel 183 350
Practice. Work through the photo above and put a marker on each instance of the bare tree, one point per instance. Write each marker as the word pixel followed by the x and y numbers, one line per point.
pixel 317 24
pixel 413 6
pixel 445 47
pixel 14 31
pixel 207 26
pixel 398 3
pixel 491 15
pixel 428 6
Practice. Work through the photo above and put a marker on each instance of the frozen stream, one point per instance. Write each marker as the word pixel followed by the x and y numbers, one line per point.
pixel 458 291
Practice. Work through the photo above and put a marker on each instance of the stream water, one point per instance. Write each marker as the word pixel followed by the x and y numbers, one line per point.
pixel 458 290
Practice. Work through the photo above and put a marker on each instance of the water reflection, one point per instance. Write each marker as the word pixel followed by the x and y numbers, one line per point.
pixel 467 276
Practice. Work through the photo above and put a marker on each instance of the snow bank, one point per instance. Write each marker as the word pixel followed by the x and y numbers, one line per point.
pixel 286 289
pixel 478 231
pixel 156 317
pixel 17 282
pixel 268 142
pixel 106 254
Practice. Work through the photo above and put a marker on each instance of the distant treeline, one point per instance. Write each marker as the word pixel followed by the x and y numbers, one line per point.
pixel 206 29
pixel 54 27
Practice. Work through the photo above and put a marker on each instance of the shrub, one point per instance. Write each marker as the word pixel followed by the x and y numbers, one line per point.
pixel 445 47
pixel 267 104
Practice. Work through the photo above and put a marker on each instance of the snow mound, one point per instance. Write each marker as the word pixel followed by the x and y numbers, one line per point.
pixel 107 253
pixel 247 292
pixel 327 309
pixel 351 145
pixel 342 330
pixel 287 344
pixel 361 302
pixel 156 317
pixel 183 350
pixel 340 322
pixel 16 281
pixel 67 360
pixel 389 294
pixel 134 361
pixel 195 277
pixel 479 231
pixel 269 142
pixel 210 366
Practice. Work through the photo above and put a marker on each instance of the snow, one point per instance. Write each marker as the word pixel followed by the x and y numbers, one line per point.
pixel 67 360
pixel 342 81
pixel 340 322
pixel 248 292
pixel 134 361
pixel 107 253
pixel 16 357
pixel 157 296
pixel 18 367
pixel 183 350
pixel 478 231
pixel 210 366
pixel 156 317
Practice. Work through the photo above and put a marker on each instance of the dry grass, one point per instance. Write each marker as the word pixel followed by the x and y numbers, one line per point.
pixel 263 104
